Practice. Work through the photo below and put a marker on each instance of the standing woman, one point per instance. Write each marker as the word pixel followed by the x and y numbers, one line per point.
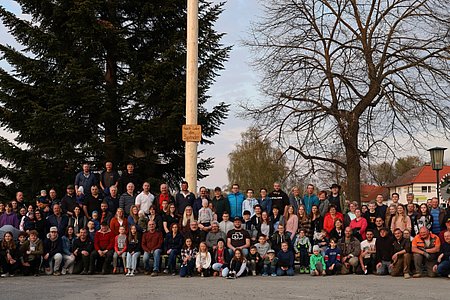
pixel 304 222
pixel 77 220
pixel 170 218
pixel 316 222
pixel 188 217
pixel 40 224
pixel 118 221
pixel 359 225
pixel 390 214
pixel 133 250
pixel 350 215
pixel 172 245
pixel 155 217
pixel 133 218
pixel 401 220
pixel 265 226
pixel 291 221
pixel 424 219
pixel 9 255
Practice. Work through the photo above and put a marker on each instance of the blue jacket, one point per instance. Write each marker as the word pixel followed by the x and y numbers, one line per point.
pixel 52 220
pixel 285 259
pixel 309 201
pixel 235 204
pixel 67 245
pixel 266 204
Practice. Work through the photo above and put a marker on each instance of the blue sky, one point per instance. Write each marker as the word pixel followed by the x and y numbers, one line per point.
pixel 236 83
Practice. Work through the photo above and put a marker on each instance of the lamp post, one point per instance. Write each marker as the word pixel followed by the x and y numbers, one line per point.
pixel 437 164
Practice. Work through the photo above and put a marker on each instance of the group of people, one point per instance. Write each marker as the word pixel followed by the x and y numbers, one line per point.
pixel 95 228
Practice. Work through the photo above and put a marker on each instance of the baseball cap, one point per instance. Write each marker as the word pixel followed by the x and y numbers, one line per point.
pixel 237 219
pixel 53 229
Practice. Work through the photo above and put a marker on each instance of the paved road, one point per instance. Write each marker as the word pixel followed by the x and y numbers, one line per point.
pixel 168 287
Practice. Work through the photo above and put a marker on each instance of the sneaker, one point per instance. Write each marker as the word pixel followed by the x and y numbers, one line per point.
pixel 131 274
pixel 273 275
pixel 83 273
pixel 147 273
pixel 417 275
pixel 56 273
pixel 265 274
pixel 254 273
pixel 5 275
pixel 406 276
pixel 302 270
pixel 365 271
pixel 174 273
pixel 202 275
pixel 64 271
pixel 166 271
pixel 306 270
pixel 154 274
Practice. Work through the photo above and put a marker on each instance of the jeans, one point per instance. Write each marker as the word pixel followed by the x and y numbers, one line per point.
pixel 244 252
pixel 54 263
pixel 116 256
pixel 156 260
pixel 132 260
pixel 288 272
pixel 444 268
pixel 187 269
pixel 173 259
pixel 385 268
pixel 69 262
pixel 217 267
pixel 269 269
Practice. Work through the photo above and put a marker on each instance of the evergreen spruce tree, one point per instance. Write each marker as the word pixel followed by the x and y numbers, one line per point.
pixel 102 80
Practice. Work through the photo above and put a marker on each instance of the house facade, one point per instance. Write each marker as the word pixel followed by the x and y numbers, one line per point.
pixel 421 182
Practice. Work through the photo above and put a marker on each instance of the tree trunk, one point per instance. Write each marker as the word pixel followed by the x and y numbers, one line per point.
pixel 353 161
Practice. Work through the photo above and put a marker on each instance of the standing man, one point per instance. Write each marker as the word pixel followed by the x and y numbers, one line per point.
pixel 381 208
pixel 184 198
pixel 69 201
pixel 145 199
pixel 295 199
pixel 235 198
pixel 58 220
pixel 112 199
pixel 109 178
pixel 324 203
pixel 129 176
pixel 164 195
pixel 438 214
pixel 220 204
pixel 335 197
pixel 20 201
pixel 86 179
pixel 92 202
pixel 198 202
pixel 310 199
pixel 127 199
pixel 409 198
pixel 278 197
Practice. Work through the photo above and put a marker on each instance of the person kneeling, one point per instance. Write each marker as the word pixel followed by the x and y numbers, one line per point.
pixel 317 263
pixel 285 261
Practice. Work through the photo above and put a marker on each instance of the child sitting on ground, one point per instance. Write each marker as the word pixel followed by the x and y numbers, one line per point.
pixel 317 263
pixel 270 264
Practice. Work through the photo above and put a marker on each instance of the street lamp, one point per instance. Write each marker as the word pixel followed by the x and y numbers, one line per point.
pixel 437 164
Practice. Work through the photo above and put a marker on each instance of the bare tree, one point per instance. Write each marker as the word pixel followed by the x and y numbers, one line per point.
pixel 353 77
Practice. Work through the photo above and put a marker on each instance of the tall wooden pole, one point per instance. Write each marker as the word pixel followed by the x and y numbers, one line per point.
pixel 191 91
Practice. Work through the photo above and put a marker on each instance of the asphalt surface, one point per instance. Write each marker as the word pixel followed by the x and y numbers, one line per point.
pixel 168 287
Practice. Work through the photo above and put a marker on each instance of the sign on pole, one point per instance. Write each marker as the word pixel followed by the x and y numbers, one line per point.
pixel 192 133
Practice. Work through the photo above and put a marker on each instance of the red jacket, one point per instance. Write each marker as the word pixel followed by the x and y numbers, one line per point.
pixel 152 241
pixel 114 225
pixel 104 240
pixel 328 222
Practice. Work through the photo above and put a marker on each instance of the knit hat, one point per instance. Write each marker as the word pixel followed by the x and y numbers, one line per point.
pixel 316 248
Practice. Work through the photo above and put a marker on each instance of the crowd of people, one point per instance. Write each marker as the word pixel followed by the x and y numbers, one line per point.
pixel 114 224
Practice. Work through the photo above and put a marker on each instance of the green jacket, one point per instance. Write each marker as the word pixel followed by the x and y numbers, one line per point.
pixel 314 259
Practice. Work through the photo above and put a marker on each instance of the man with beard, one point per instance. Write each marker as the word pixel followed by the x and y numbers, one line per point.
pixel 278 197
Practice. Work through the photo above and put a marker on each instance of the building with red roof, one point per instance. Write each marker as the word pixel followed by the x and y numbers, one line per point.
pixel 421 181
pixel 370 192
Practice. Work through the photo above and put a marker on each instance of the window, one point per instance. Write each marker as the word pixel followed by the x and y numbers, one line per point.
pixel 426 189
